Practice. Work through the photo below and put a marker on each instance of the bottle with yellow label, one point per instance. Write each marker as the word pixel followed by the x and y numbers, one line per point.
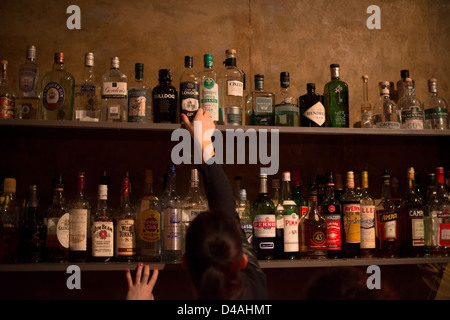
pixel 352 218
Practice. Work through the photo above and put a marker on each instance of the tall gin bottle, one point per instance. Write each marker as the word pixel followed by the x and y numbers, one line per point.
pixel 209 88
pixel 312 111
pixel 28 86
pixel 259 104
pixel 114 94
pixel 57 92
pixel 410 109
pixel 139 103
pixel 7 95
pixel 385 110
pixel 102 228
pixel 435 108
pixel 231 90
pixel 125 232
pixel 366 107
pixel 164 99
pixel 286 108
pixel 336 100
pixel 189 89
pixel 368 240
pixel 351 203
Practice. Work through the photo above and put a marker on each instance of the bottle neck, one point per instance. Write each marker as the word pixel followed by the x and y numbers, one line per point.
pixel 230 62
pixel 286 190
pixel 365 90
pixel 171 183
pixel 59 66
pixel 329 191
pixel 386 191
pixel 89 73
pixel 58 196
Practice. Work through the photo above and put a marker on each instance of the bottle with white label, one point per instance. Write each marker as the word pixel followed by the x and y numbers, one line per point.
pixel 312 111
pixel 286 108
pixel 410 108
pixel 368 241
pixel 171 217
pixel 264 224
pixel 260 105
pixel 139 102
pixel 102 228
pixel 385 110
pixel 209 88
pixel 114 94
pixel 189 89
pixel 243 209
pixel 28 86
pixel 435 108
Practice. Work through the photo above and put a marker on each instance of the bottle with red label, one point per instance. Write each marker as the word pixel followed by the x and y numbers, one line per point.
pixel 388 225
pixel 351 204
pixel 313 229
pixel 332 212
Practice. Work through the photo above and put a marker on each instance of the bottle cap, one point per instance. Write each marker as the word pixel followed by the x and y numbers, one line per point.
pixel 243 194
pixel 188 61
pixel 311 87
pixel 230 53
pixel 286 176
pixel 208 60
pixel 404 74
pixel 172 170
pixel 31 52
pixel 284 79
pixel 9 185
pixel 115 62
pixel 194 175
pixel 139 70
pixel 59 57
pixel 89 59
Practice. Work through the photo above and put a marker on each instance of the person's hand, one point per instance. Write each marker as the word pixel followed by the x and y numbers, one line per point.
pixel 203 138
pixel 142 288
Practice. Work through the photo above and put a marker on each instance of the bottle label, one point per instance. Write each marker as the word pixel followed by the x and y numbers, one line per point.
pixel 352 222
pixel 210 98
pixel 235 88
pixel 316 113
pixel 190 98
pixel 172 229
pixel 149 226
pixel 291 240
pixel 7 107
pixel 102 239
pixel 125 237
pixel 263 105
pixel 137 105
pixel 334 227
pixel 436 113
pixel 388 223
pixel 444 234
pixel 87 89
pixel 413 118
pixel 338 118
pixel 318 241
pixel 368 227
pixel 286 108
pixel 388 125
pixel 114 90
pixel 63 230
pixel 264 226
pixel 114 112
pixel 78 229
pixel 27 79
pixel 53 96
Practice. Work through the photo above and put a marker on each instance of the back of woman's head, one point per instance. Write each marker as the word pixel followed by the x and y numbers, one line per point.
pixel 213 255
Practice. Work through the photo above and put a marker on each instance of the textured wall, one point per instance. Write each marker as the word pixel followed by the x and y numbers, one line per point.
pixel 300 36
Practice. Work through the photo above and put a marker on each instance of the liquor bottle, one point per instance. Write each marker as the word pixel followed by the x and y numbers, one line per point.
pixel 429 198
pixel 193 204
pixel 87 106
pixel 164 99
pixel 395 191
pixel 80 217
pixel 435 108
pixel 366 107
pixel 28 86
pixel 290 220
pixel 331 210
pixel 286 108
pixel 279 216
pixel 300 200
pixel 312 110
pixel 114 94
pixel 402 84
pixel 264 223
pixel 58 222
pixel 171 217
pixel 368 232
pixel 313 229
pixel 410 109
pixel 9 223
pixel 139 104
pixel 231 91
pixel 437 221
pixel 411 217
pixel 148 240
pixel 336 100
pixel 244 212
pixel 57 92
pixel 387 221
pixel 351 204
pixel 275 196
pixel 209 88
pixel 259 104
pixel 32 231
pixel 189 89
pixel 7 94
pixel 102 228
pixel 385 110
pixel 125 231
pixel 339 186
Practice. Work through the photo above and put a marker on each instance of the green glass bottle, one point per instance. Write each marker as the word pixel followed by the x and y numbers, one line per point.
pixel 336 100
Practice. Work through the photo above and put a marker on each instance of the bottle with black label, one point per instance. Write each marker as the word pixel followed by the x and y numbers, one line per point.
pixel 312 111
pixel 189 89
pixel 164 99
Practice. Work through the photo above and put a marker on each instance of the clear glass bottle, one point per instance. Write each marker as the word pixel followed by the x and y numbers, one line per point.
pixel 264 222
pixel 58 222
pixel 7 94
pixel 410 109
pixel 388 221
pixel 231 91
pixel 366 107
pixel 149 223
pixel 368 231
pixel 209 88
pixel 164 99
pixel 435 108
pixel 385 113
pixel 114 94
pixel 286 109
pixel 9 222
pixel 57 93
pixel 193 204
pixel 28 86
pixel 245 216
pixel 171 217
pixel 402 84
pixel 79 229
pixel 275 195
pixel 102 228
pixel 351 204
pixel 336 100
pixel 259 104
pixel 411 216
pixel 86 104
pixel 312 111
pixel 139 104
pixel 189 89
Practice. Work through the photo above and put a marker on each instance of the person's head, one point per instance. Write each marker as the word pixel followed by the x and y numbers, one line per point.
pixel 214 256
